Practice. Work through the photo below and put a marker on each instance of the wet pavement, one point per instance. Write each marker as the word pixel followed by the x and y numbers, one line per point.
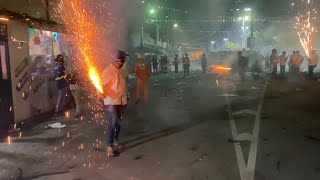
pixel 204 127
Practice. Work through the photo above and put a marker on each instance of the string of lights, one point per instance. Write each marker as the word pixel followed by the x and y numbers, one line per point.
pixel 271 20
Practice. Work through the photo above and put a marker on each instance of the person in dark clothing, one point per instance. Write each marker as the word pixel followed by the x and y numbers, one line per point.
pixel 165 64
pixel 176 63
pixel 242 65
pixel 204 63
pixel 186 65
pixel 61 83
pixel 155 65
pixel 161 64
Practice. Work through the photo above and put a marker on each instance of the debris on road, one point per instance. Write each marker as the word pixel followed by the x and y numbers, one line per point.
pixel 57 125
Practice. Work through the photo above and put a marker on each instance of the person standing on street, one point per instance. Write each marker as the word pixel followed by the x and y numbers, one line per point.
pixel 176 63
pixel 291 61
pixel 283 61
pixel 242 65
pixel 165 64
pixel 76 91
pixel 313 62
pixel 143 71
pixel 115 98
pixel 61 83
pixel 298 59
pixel 204 63
pixel 155 65
pixel 186 65
pixel 274 59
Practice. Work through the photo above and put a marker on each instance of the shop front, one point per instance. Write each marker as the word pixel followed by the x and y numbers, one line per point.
pixel 27 62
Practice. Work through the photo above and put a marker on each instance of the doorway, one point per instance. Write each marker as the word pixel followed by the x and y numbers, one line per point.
pixel 6 101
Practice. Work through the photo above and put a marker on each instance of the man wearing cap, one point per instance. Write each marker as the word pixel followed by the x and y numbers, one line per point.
pixel 313 62
pixel 61 83
pixel 115 97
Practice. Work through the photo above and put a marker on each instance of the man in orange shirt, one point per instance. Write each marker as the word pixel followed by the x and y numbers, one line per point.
pixel 143 71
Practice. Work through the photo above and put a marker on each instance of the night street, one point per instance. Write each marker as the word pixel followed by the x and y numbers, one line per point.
pixel 184 135
pixel 159 90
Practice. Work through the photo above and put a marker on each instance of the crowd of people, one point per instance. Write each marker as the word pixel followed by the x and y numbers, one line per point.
pixel 115 79
pixel 293 61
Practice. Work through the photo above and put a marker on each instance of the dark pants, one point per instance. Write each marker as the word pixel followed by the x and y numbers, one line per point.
pixel 204 68
pixel 296 69
pixel 242 73
pixel 282 69
pixel 61 99
pixel 155 69
pixel 113 113
pixel 176 68
pixel 275 70
pixel 186 68
pixel 311 68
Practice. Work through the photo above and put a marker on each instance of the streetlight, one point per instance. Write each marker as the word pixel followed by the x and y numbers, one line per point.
pixel 225 40
pixel 152 11
pixel 212 43
pixel 175 25
pixel 247 9
pixel 245 18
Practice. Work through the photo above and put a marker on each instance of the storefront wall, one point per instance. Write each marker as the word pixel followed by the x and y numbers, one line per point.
pixel 18 54
pixel 32 60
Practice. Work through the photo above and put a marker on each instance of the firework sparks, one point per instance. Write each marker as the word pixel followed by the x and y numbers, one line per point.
pixel 305 20
pixel 220 69
pixel 81 19
pixel 9 140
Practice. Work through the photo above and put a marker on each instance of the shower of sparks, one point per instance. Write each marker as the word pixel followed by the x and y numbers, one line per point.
pixel 88 36
pixel 305 13
pixel 9 140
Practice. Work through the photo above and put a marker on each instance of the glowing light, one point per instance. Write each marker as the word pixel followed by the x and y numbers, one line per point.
pixel 220 69
pixel 4 19
pixel 304 25
pixel 95 78
pixel 9 140
pixel 81 21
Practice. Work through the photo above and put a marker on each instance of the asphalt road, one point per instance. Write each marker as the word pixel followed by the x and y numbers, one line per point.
pixel 204 127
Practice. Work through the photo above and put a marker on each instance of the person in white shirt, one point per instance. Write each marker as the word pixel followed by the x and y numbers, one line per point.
pixel 313 62
pixel 115 97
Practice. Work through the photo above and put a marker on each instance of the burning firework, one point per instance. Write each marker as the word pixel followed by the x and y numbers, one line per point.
pixel 220 69
pixel 88 26
pixel 305 12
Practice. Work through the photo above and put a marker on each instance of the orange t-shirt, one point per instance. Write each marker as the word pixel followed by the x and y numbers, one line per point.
pixel 142 70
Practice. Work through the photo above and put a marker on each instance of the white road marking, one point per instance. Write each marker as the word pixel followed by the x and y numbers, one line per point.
pixel 246 171
pixel 245 111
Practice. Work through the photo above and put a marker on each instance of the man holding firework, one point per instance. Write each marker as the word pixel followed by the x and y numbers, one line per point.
pixel 115 97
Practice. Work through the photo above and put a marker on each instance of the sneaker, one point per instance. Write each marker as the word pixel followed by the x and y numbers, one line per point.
pixel 117 145
pixel 110 152
pixel 58 114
